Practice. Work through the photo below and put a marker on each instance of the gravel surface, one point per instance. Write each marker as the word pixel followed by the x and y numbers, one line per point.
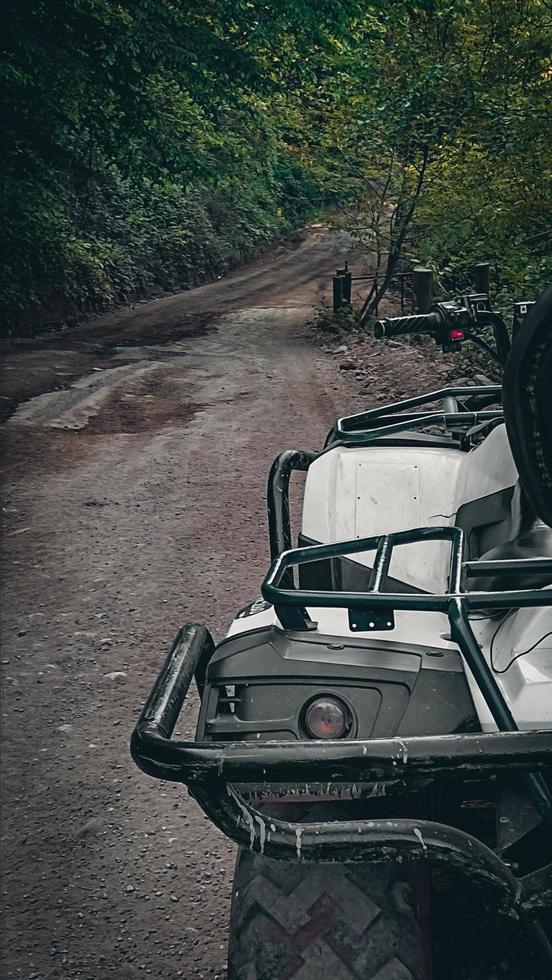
pixel 136 456
pixel 133 501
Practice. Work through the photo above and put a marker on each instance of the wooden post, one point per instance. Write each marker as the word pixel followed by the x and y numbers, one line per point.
pixel 342 291
pixel 347 287
pixel 482 277
pixel 423 289
pixel 337 282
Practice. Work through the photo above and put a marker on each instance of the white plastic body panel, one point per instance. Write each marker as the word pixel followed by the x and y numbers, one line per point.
pixel 519 649
pixel 421 628
pixel 486 469
pixel 361 492
pixel 357 493
pixel 526 682
pixel 353 493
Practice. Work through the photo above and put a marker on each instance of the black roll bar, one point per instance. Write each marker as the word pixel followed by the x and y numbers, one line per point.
pixel 377 423
pixel 277 495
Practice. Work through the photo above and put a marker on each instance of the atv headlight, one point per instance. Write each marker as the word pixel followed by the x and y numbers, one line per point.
pixel 327 717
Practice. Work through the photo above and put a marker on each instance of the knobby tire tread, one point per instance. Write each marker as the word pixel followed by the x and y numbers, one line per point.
pixel 301 921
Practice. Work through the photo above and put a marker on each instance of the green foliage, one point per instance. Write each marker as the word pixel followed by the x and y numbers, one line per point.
pixel 148 142
pixel 155 143
pixel 343 321
pixel 441 116
pixel 489 191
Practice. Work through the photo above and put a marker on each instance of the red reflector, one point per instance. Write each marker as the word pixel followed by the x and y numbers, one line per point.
pixel 456 335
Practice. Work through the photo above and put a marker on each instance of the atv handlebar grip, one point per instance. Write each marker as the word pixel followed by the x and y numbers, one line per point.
pixel 396 325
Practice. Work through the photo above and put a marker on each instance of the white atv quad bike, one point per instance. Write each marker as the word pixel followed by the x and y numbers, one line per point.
pixel 375 731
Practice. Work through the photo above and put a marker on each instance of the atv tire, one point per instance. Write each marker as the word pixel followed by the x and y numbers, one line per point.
pixel 294 921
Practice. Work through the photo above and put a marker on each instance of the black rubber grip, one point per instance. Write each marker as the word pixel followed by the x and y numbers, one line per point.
pixel 396 325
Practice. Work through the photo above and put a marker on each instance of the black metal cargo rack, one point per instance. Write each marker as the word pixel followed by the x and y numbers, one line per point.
pixel 210 769
pixel 463 409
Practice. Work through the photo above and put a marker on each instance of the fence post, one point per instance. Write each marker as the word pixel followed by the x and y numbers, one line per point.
pixel 347 286
pixel 423 289
pixel 342 291
pixel 482 277
pixel 337 283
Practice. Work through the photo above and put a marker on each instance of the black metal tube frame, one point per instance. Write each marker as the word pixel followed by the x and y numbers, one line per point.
pixel 279 530
pixel 377 423
pixel 383 545
pixel 209 769
pixel 292 607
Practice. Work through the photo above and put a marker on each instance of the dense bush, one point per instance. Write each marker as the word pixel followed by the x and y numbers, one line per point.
pixel 136 240
pixel 148 144
pixel 442 115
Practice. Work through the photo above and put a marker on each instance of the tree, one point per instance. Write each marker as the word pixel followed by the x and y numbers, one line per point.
pixel 134 129
pixel 440 120
pixel 156 142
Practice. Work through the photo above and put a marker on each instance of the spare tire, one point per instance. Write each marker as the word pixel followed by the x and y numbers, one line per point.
pixel 527 400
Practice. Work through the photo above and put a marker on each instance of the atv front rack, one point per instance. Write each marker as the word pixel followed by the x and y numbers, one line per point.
pixel 463 409
pixel 211 769
pixel 378 606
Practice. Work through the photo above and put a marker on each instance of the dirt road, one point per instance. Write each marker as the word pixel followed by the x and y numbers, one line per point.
pixel 135 451
pixel 134 501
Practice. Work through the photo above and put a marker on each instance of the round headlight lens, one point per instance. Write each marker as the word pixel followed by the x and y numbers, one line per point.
pixel 328 717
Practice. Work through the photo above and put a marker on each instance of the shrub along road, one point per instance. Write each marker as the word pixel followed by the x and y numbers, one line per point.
pixel 134 481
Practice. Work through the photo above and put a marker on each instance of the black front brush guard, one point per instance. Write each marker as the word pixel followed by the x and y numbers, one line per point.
pixel 211 769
